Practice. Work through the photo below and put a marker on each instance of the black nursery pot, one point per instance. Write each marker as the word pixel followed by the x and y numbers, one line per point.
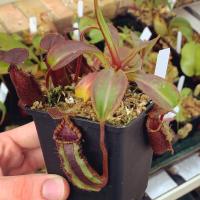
pixel 130 156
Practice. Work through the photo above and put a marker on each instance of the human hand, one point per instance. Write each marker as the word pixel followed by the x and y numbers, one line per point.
pixel 20 154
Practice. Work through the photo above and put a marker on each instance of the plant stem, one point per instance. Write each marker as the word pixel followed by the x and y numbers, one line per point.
pixel 78 68
pixel 107 36
pixel 58 77
pixel 104 152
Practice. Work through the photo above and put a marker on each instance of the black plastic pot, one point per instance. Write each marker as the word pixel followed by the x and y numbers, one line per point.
pixel 130 156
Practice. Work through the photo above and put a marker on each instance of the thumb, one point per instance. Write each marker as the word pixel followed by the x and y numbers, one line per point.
pixel 32 187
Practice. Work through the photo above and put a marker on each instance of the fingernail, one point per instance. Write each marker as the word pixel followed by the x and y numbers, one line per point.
pixel 53 189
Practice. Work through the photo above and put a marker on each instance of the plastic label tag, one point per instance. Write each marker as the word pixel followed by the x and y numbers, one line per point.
pixel 171 3
pixel 181 83
pixel 80 8
pixel 3 92
pixel 146 34
pixel 33 25
pixel 76 33
pixel 187 168
pixel 179 42
pixel 170 115
pixel 159 184
pixel 162 63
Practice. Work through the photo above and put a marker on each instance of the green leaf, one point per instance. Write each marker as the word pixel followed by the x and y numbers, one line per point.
pixel 160 25
pixel 149 46
pixel 8 42
pixel 36 41
pixel 190 59
pixel 181 116
pixel 159 90
pixel 3 112
pixel 94 35
pixel 143 47
pixel 62 54
pixel 182 25
pixel 108 91
pixel 186 92
pixel 3 67
pixel 107 35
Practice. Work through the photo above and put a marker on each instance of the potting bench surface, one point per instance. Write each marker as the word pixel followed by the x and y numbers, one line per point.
pixel 176 180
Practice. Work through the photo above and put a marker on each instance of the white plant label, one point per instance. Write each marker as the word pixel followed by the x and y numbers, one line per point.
pixel 170 115
pixel 3 92
pixel 80 8
pixel 76 33
pixel 146 34
pixel 162 63
pixel 187 168
pixel 172 3
pixel 181 83
pixel 33 25
pixel 179 42
pixel 159 183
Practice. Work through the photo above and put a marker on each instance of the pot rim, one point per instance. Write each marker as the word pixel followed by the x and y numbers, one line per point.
pixel 148 107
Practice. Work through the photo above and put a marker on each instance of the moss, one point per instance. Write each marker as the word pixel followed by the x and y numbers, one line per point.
pixel 133 104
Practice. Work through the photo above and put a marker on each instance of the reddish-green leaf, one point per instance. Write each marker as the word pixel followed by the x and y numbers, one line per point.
pixel 159 90
pixel 108 91
pixel 83 88
pixel 107 35
pixel 143 48
pixel 14 56
pixel 51 40
pixel 63 54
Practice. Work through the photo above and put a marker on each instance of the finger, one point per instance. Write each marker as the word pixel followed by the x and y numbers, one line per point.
pixel 1 172
pixel 33 160
pixel 25 136
pixel 32 187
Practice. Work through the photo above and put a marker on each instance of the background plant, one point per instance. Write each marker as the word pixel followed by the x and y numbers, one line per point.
pixel 105 84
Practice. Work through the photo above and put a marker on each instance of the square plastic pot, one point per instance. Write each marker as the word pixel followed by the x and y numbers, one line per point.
pixel 130 156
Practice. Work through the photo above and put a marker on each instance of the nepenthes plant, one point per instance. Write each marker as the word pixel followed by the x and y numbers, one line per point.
pixel 104 81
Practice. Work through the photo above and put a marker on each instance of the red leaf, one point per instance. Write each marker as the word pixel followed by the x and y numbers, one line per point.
pixel 26 87
pixel 63 54
pixel 14 56
pixel 108 91
pixel 51 40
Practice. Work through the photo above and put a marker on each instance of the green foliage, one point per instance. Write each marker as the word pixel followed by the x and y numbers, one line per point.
pixel 68 51
pixel 108 91
pixel 94 35
pixel 3 112
pixel 11 41
pixel 160 25
pixel 107 35
pixel 186 92
pixel 182 25
pixel 8 42
pixel 189 105
pixel 190 59
pixel 158 89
